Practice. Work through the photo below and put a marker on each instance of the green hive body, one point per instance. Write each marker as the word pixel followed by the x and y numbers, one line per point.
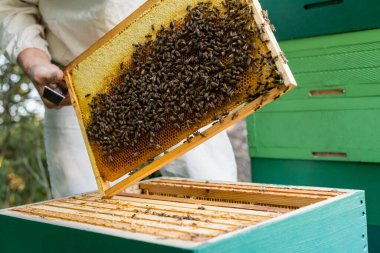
pixel 332 118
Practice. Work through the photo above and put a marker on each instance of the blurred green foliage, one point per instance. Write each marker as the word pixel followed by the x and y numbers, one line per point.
pixel 23 169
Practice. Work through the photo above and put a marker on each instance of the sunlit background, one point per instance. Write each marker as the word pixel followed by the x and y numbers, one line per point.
pixel 23 169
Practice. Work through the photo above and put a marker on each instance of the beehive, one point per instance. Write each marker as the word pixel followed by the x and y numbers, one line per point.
pixel 98 69
pixel 182 215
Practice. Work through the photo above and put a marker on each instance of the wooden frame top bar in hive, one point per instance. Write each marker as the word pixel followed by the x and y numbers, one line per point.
pixel 94 70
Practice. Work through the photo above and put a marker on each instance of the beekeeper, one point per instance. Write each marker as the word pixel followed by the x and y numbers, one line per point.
pixel 42 35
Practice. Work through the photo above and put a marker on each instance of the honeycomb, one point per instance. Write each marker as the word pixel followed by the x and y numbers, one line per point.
pixel 99 69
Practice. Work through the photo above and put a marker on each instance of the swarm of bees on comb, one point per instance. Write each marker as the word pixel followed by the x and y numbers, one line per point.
pixel 187 71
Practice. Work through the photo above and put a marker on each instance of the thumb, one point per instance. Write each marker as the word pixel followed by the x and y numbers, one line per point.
pixel 53 76
pixel 45 73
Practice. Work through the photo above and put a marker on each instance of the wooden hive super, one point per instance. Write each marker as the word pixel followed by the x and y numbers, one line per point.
pixel 99 66
pixel 182 215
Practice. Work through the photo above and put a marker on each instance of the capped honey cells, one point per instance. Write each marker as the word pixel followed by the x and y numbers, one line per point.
pixel 186 72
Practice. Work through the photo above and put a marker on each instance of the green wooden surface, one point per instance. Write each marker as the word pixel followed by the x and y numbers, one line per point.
pixel 307 18
pixel 336 60
pixel 373 238
pixel 345 122
pixel 335 227
pixel 25 236
pixel 296 129
pixel 364 176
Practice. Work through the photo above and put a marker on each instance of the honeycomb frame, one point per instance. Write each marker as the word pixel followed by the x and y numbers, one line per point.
pixel 92 65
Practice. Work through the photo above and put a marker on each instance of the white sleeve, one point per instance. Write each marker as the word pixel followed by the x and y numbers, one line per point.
pixel 20 27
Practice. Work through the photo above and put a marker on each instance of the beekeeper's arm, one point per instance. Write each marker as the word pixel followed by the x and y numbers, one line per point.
pixel 22 40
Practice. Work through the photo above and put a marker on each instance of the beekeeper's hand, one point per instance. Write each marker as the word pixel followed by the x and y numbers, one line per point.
pixel 37 66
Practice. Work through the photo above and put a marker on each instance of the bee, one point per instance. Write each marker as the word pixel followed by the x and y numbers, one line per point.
pixel 265 14
pixel 234 115
pixel 272 28
pixel 188 139
pixel 87 95
pixel 132 172
pixel 283 58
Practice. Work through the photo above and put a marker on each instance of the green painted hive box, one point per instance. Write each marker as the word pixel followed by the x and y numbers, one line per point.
pixel 352 175
pixel 308 18
pixel 182 215
pixel 333 114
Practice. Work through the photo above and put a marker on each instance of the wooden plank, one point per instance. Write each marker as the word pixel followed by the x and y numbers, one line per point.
pixel 205 202
pixel 261 188
pixel 237 195
pixel 215 209
pixel 132 214
pixel 217 216
pixel 282 186
pixel 179 214
pixel 72 216
pixel 111 216
pixel 157 185
pixel 120 200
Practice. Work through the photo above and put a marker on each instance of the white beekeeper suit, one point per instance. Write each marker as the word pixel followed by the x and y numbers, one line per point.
pixel 64 29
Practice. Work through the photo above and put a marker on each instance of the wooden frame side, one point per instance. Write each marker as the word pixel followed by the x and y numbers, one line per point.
pixel 102 185
pixel 272 44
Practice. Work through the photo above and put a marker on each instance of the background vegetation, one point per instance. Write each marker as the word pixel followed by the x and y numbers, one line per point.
pixel 23 170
